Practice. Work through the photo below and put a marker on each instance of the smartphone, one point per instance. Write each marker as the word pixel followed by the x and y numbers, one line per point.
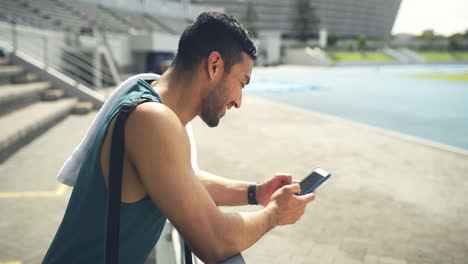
pixel 313 181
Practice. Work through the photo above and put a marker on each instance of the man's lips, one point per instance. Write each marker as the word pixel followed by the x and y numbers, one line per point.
pixel 224 111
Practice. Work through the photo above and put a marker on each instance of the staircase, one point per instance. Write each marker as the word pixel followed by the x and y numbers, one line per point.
pixel 397 55
pixel 413 56
pixel 29 107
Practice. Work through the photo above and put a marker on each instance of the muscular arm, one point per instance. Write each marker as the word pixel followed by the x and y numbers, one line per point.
pixel 157 145
pixel 224 191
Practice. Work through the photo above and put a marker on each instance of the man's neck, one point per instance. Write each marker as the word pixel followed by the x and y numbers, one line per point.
pixel 181 93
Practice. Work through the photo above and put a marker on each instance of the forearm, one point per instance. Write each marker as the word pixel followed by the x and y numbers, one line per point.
pixel 237 232
pixel 224 191
pixel 249 227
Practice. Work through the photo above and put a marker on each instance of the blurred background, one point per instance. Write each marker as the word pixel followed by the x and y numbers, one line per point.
pixel 376 90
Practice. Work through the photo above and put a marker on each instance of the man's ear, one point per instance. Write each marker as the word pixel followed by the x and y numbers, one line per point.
pixel 215 65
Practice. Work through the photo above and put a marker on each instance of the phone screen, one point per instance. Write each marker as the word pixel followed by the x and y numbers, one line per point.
pixel 311 182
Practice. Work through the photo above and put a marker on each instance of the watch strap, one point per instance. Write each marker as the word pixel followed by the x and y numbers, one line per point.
pixel 251 194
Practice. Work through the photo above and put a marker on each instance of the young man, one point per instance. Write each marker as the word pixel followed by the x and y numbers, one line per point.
pixel 214 62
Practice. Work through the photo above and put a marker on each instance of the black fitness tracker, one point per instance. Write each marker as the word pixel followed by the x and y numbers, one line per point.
pixel 251 195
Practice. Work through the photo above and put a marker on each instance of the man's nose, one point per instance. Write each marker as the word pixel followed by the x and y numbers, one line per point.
pixel 231 104
pixel 239 101
pixel 236 103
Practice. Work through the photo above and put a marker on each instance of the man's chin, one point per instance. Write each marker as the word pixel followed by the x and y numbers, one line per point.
pixel 211 122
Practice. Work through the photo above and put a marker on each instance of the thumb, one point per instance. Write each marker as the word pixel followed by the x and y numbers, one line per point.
pixel 308 197
pixel 293 188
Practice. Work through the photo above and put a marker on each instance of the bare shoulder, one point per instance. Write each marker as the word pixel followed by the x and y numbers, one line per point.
pixel 154 118
pixel 153 128
pixel 153 111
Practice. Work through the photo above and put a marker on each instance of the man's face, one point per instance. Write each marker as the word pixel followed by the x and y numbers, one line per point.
pixel 227 92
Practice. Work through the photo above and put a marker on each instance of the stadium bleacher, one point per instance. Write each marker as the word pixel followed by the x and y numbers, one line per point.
pixel 75 16
pixel 21 13
pixel 42 38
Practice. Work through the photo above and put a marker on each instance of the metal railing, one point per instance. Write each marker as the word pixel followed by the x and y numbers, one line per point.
pixel 170 249
pixel 91 65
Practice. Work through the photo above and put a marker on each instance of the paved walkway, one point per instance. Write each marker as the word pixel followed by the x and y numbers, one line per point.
pixel 389 200
pixel 32 202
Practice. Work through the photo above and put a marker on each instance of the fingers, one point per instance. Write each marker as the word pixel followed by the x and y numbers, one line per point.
pixel 289 208
pixel 308 197
pixel 292 188
pixel 284 178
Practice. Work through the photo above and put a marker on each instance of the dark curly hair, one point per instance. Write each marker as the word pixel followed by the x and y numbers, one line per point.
pixel 213 31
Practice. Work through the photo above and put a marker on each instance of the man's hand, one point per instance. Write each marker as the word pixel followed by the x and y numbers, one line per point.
pixel 286 207
pixel 266 189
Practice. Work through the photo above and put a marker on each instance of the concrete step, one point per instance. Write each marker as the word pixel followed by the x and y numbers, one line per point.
pixel 52 94
pixel 4 61
pixel 16 96
pixel 13 74
pixel 25 78
pixel 82 108
pixel 22 126
pixel 35 165
pixel 10 70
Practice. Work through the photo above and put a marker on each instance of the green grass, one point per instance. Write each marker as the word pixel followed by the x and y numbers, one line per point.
pixel 451 77
pixel 438 56
pixel 461 56
pixel 359 56
pixel 378 56
pixel 346 56
pixel 444 56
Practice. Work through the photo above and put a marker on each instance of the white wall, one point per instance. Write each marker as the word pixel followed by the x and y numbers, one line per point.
pixel 269 45
pixel 154 42
pixel 120 46
pixel 124 47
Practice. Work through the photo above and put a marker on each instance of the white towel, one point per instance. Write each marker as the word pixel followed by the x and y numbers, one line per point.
pixel 72 166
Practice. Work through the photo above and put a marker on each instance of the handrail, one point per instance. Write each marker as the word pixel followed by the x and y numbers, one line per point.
pixel 170 249
pixel 51 48
pixel 83 64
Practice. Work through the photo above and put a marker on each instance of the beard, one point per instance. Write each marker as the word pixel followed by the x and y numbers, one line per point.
pixel 212 105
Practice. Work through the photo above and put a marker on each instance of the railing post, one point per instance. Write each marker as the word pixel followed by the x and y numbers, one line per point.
pixel 14 35
pixel 45 53
pixel 97 68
